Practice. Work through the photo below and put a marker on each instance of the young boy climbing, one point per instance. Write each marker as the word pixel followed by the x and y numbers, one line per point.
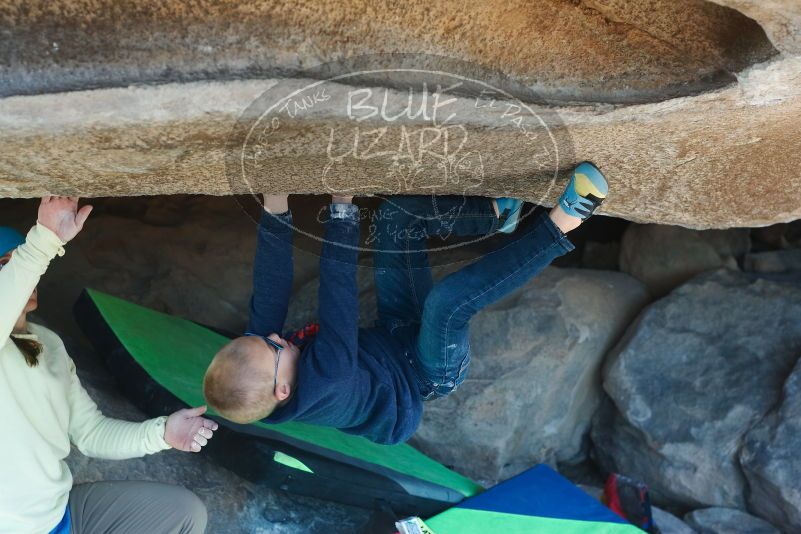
pixel 372 382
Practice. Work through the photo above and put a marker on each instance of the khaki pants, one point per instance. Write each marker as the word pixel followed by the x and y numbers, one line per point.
pixel 132 507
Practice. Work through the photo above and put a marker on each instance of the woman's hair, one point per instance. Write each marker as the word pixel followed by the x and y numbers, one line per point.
pixel 30 349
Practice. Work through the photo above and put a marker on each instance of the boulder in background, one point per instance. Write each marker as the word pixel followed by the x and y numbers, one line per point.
pixel 727 521
pixel 774 261
pixel 771 461
pixel 664 257
pixel 697 370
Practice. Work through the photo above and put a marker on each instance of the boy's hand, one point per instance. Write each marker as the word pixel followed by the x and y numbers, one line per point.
pixel 276 203
pixel 187 431
pixel 62 216
pixel 336 199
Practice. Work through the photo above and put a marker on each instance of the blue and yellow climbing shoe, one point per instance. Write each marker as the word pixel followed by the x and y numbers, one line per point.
pixel 508 213
pixel 585 192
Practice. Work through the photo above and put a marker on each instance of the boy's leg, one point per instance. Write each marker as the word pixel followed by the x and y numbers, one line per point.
pixel 402 275
pixel 132 507
pixel 443 343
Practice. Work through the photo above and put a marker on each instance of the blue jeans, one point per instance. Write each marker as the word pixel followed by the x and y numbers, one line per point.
pixel 435 318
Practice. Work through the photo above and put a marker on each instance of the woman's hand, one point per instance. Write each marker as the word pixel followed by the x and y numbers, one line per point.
pixel 62 216
pixel 187 431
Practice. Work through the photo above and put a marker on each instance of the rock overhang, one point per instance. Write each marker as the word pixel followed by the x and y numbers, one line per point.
pixel 724 156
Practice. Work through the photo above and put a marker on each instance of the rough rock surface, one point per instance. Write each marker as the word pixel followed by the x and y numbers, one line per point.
pixel 696 371
pixel 234 505
pixel 725 157
pixel 775 261
pixel 771 463
pixel 618 50
pixel 664 257
pixel 669 523
pixel 172 138
pixel 533 384
pixel 727 521
pixel 781 20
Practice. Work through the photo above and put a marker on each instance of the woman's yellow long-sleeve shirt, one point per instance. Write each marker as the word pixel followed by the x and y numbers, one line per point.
pixel 44 408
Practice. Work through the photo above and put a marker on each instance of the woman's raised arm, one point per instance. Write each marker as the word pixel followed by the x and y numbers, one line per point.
pixel 59 221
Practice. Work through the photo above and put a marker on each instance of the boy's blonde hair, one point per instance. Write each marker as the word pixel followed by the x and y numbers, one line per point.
pixel 239 382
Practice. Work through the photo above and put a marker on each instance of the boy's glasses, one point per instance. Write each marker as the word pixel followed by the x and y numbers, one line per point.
pixel 277 347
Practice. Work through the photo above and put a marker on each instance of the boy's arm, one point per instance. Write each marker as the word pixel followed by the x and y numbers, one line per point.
pixel 272 268
pixel 339 294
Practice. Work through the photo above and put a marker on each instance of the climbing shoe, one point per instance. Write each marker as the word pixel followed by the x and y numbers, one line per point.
pixel 585 192
pixel 508 213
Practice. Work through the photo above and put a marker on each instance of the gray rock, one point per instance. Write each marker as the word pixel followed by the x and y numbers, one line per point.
pixel 664 257
pixel 691 377
pixel 775 261
pixel 234 505
pixel 669 523
pixel 771 462
pixel 727 521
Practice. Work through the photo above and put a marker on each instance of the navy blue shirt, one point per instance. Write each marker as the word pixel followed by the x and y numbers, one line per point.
pixel 356 380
